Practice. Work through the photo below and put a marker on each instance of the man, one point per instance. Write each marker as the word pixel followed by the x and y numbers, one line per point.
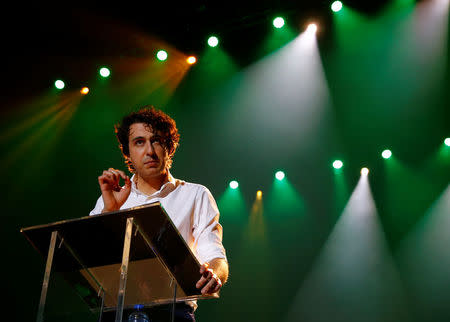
pixel 148 140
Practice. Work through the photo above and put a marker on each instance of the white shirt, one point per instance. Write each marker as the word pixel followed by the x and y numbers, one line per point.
pixel 193 211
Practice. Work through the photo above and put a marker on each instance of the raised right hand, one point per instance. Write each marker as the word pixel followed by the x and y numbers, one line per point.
pixel 113 195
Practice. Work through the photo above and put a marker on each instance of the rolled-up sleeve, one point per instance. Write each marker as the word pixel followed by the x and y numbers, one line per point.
pixel 207 230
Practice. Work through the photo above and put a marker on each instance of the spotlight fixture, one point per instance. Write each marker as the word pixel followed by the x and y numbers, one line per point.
pixel 338 164
pixel 191 60
pixel 447 141
pixel 258 195
pixel 234 184
pixel 161 55
pixel 386 154
pixel 278 22
pixel 312 28
pixel 280 175
pixel 213 41
pixel 84 90
pixel 364 171
pixel 336 6
pixel 59 84
pixel 104 72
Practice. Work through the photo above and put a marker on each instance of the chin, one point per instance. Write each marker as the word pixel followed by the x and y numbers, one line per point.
pixel 154 173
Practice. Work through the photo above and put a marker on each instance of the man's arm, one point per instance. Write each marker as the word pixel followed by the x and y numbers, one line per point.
pixel 208 236
pixel 213 275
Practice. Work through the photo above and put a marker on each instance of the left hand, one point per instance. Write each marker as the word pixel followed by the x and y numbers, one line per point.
pixel 209 282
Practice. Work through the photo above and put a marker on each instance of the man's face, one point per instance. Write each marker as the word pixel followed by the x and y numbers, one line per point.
pixel 147 152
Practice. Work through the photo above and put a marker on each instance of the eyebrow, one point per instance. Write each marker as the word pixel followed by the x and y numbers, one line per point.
pixel 156 136
pixel 137 138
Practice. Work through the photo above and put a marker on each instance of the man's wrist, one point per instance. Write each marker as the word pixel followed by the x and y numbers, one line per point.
pixel 219 266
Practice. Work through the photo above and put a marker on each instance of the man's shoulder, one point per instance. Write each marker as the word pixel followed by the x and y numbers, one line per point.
pixel 191 186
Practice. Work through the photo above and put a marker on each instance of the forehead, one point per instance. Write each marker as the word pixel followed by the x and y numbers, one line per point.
pixel 141 129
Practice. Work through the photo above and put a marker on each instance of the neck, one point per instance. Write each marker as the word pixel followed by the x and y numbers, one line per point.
pixel 149 186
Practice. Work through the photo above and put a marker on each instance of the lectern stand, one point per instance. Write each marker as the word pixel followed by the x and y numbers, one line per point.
pixel 137 250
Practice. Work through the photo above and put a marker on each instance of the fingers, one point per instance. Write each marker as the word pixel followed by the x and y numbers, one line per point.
pixel 204 267
pixel 209 282
pixel 213 285
pixel 218 286
pixel 119 173
pixel 206 276
pixel 116 177
pixel 109 180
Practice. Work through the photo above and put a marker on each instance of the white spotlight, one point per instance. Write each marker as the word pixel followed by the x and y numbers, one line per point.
pixel 312 28
pixel 279 175
pixel 234 184
pixel 364 171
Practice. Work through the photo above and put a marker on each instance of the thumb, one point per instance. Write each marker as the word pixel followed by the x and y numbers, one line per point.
pixel 126 189
pixel 124 192
pixel 127 183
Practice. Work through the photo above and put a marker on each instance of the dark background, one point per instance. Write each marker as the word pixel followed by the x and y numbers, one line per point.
pixel 51 157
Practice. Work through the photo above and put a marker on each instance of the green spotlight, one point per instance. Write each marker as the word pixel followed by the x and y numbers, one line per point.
pixel 59 84
pixel 213 41
pixel 234 184
pixel 280 175
pixel 278 22
pixel 386 154
pixel 338 164
pixel 161 55
pixel 336 6
pixel 447 141
pixel 104 72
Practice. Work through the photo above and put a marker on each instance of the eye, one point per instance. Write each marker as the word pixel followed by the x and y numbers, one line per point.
pixel 156 140
pixel 139 142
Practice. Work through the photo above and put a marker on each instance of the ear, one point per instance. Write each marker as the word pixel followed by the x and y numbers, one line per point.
pixel 129 163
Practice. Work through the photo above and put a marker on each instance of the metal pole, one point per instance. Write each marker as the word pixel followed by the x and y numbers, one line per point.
pixel 124 269
pixel 174 299
pixel 102 305
pixel 48 268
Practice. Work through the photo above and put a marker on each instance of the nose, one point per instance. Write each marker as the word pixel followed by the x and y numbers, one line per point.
pixel 149 149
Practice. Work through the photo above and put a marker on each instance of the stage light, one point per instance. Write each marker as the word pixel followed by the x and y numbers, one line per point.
pixel 161 55
pixel 104 72
pixel 338 164
pixel 59 84
pixel 386 154
pixel 84 90
pixel 364 171
pixel 312 28
pixel 278 22
pixel 447 141
pixel 280 175
pixel 336 6
pixel 234 184
pixel 259 195
pixel 191 60
pixel 213 41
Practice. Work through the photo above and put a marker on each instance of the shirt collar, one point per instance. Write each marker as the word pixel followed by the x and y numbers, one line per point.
pixel 171 183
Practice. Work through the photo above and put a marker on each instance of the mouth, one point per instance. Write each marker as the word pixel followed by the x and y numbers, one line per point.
pixel 151 162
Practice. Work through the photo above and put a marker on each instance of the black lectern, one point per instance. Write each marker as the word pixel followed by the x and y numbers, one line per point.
pixel 137 250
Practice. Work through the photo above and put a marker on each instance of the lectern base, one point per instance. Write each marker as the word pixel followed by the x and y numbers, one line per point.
pixel 159 313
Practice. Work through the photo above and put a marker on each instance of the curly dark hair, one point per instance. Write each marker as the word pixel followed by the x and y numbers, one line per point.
pixel 158 121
